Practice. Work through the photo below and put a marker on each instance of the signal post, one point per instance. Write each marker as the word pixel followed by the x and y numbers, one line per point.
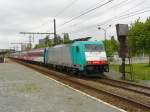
pixel 122 32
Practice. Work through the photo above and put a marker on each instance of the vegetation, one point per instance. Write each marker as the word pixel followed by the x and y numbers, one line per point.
pixel 66 38
pixel 50 42
pixel 139 44
pixel 139 38
pixel 47 42
pixel 111 46
pixel 29 46
pixel 42 45
pixel 140 71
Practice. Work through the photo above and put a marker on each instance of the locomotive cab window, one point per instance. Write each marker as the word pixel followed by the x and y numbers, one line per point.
pixel 77 48
pixel 94 48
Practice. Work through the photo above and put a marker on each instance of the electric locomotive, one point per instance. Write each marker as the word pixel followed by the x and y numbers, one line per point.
pixel 80 56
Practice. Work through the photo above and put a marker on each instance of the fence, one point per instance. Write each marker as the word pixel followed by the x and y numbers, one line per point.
pixel 117 60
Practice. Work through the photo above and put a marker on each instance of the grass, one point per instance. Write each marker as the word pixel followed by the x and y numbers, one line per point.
pixel 140 71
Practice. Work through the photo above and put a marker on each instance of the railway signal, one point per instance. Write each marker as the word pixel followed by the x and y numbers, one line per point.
pixel 122 32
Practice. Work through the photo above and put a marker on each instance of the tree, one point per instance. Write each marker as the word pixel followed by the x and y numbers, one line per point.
pixel 48 42
pixel 29 46
pixel 115 44
pixel 108 48
pixel 59 40
pixel 136 38
pixel 66 38
pixel 39 46
pixel 139 38
pixel 111 46
pixel 147 37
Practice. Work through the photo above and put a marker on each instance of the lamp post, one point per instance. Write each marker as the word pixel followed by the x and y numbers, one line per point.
pixel 100 28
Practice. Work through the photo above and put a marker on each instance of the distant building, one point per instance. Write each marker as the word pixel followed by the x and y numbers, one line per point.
pixel 23 47
pixel 41 41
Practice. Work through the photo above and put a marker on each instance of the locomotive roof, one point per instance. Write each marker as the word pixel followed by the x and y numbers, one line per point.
pixel 88 42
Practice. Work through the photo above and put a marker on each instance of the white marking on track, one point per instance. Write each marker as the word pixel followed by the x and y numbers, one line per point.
pixel 121 110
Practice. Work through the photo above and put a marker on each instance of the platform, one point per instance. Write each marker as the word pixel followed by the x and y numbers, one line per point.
pixel 25 90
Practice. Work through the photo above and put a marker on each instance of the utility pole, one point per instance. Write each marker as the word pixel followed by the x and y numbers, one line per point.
pixel 30 44
pixel 43 33
pixel 35 33
pixel 55 35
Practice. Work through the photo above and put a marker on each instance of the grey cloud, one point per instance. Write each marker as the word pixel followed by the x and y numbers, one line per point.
pixel 28 15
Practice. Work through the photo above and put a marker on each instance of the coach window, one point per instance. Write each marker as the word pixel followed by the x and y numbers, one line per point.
pixel 77 48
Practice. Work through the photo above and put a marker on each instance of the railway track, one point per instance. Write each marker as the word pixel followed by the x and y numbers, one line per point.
pixel 96 89
pixel 126 85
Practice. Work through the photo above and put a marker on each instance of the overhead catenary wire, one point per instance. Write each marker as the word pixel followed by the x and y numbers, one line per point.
pixel 126 16
pixel 86 12
pixel 93 6
pixel 79 23
pixel 135 14
pixel 140 3
pixel 42 24
pixel 65 8
pixel 50 21
pixel 90 10
pixel 116 5
pixel 123 17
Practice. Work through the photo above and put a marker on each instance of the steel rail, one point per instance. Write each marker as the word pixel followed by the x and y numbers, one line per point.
pixel 125 85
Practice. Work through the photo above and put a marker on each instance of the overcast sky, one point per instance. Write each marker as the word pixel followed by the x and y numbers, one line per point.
pixel 37 16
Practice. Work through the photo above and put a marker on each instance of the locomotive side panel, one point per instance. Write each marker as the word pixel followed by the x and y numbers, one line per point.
pixel 60 55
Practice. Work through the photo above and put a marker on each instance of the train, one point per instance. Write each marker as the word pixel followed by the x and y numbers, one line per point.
pixel 83 57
